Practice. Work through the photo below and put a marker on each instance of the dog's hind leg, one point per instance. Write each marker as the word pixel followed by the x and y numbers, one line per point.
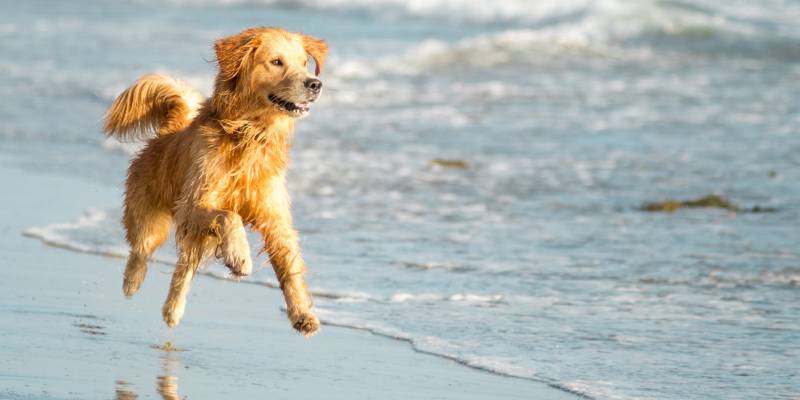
pixel 174 307
pixel 147 228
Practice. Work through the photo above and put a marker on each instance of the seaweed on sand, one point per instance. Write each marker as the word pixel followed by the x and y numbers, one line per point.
pixel 449 163
pixel 710 201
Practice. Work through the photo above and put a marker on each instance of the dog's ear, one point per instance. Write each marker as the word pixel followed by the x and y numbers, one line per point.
pixel 232 53
pixel 317 49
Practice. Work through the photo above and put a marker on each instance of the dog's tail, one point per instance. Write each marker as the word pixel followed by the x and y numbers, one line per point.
pixel 155 105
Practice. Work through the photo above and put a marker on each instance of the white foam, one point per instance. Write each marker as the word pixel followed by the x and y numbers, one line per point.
pixel 59 235
pixel 343 296
pixel 595 390
pixel 345 319
pixel 430 345
pixel 475 298
pixel 404 297
pixel 464 298
pixel 522 46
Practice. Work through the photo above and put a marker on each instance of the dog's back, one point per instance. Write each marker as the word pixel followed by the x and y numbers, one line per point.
pixel 154 105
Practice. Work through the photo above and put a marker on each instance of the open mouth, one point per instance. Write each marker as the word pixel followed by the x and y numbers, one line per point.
pixel 293 108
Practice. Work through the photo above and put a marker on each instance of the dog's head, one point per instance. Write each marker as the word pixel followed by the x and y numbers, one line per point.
pixel 266 69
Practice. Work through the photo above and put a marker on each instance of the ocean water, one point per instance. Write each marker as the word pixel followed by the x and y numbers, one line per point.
pixel 534 261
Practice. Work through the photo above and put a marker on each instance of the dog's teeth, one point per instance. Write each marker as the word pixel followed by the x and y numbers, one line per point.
pixel 298 108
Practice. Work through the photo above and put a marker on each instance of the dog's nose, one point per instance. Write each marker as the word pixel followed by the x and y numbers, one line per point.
pixel 313 84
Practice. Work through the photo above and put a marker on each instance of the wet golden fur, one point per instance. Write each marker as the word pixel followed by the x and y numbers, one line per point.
pixel 213 166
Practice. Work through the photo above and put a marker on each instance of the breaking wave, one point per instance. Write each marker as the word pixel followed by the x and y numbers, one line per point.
pixel 604 30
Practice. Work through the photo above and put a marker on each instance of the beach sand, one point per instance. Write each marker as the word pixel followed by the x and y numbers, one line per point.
pixel 67 332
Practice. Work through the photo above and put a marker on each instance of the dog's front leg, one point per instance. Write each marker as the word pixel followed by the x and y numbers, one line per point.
pixel 225 231
pixel 200 233
pixel 232 249
pixel 284 254
pixel 281 244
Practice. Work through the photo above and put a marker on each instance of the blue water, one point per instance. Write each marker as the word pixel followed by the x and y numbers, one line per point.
pixel 535 260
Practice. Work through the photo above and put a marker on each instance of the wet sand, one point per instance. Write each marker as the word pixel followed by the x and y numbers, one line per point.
pixel 66 331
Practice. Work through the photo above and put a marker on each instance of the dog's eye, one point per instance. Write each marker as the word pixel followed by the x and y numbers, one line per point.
pixel 276 62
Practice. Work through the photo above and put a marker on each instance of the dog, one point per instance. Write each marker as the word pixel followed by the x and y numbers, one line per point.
pixel 213 166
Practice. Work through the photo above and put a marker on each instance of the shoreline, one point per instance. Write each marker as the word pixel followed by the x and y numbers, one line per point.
pixel 71 305
pixel 208 274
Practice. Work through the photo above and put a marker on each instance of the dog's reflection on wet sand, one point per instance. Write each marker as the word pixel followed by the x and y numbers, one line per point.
pixel 166 384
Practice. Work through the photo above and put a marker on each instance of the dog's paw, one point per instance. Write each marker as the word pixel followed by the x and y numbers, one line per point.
pixel 130 287
pixel 134 274
pixel 305 322
pixel 234 252
pixel 172 315
pixel 239 266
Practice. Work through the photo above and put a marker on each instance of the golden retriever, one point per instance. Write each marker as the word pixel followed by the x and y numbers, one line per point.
pixel 215 165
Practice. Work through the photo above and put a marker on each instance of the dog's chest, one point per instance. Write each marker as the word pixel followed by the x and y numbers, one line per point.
pixel 249 185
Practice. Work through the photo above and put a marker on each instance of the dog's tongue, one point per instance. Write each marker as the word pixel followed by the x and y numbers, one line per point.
pixel 303 104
